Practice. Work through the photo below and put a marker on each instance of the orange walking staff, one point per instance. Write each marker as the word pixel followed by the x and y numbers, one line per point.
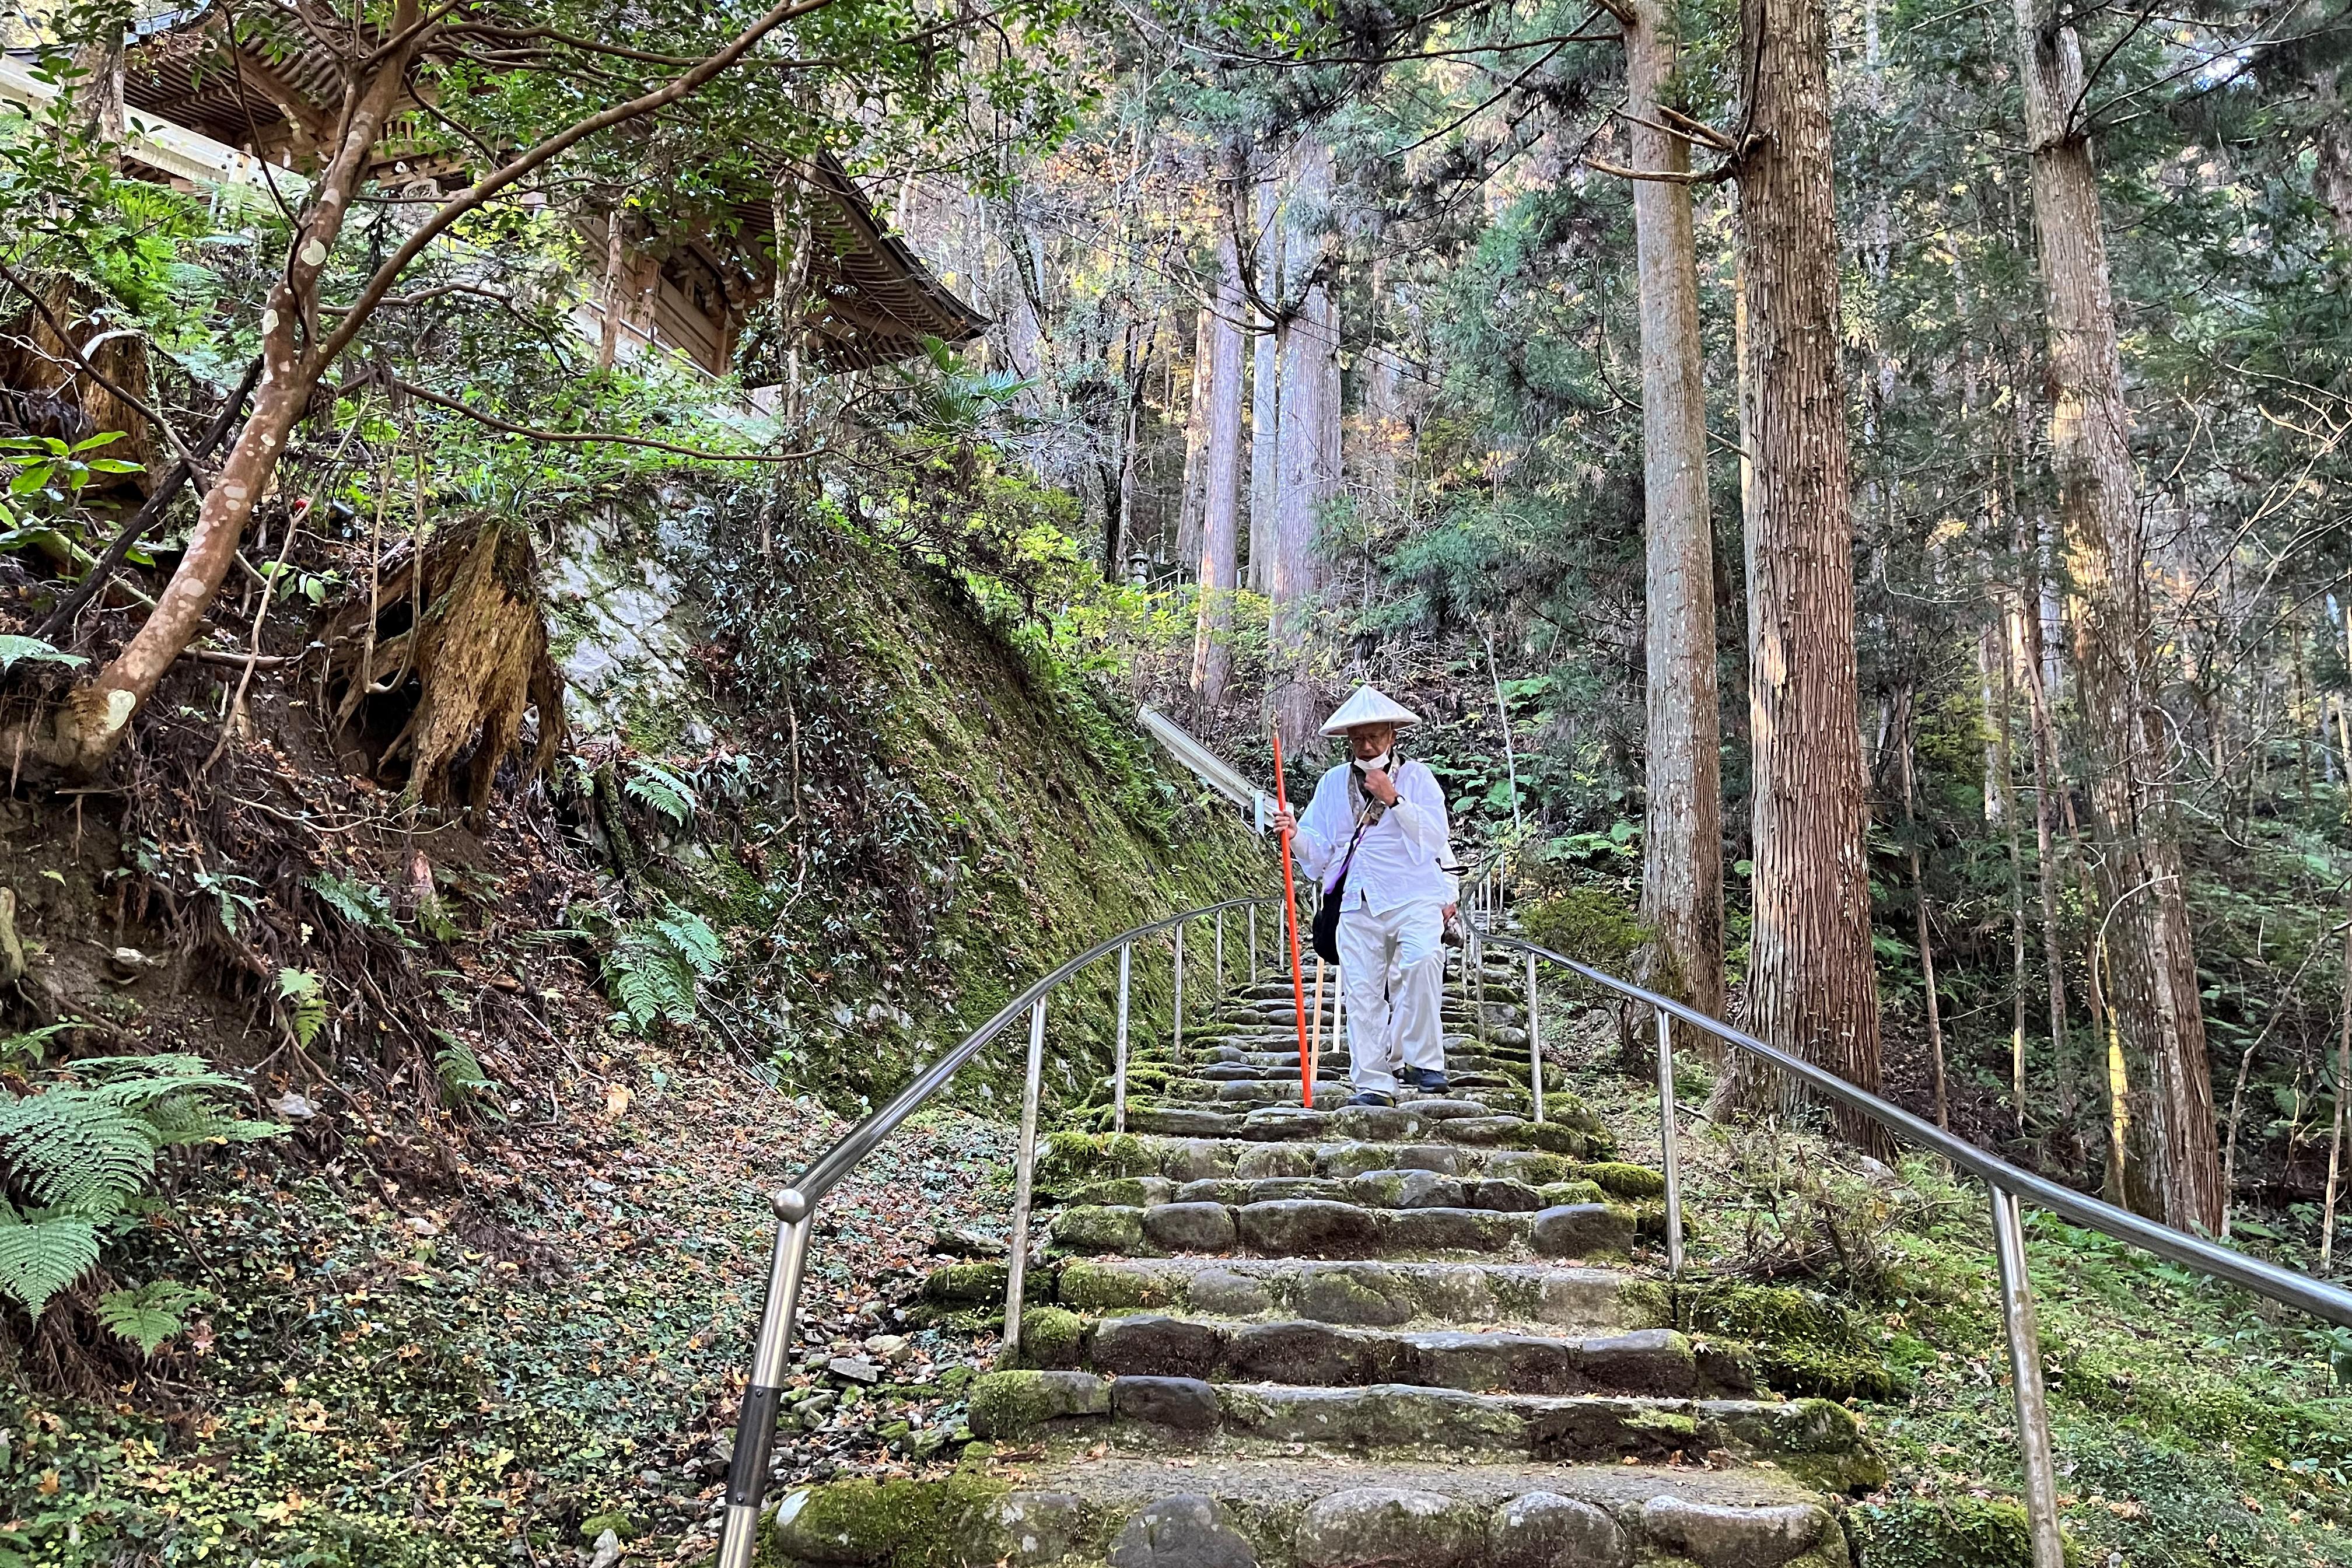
pixel 1298 966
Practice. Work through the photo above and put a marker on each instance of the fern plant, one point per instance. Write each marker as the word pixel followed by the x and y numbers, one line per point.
pixel 151 1313
pixel 462 1077
pixel 662 791
pixel 79 1154
pixel 654 968
pixel 364 904
pixel 30 1044
pixel 305 998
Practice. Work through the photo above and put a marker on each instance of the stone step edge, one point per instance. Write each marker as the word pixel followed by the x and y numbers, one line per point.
pixel 1509 1296
pixel 1321 1158
pixel 1319 1228
pixel 1387 1189
pixel 1813 1438
pixel 1309 1352
pixel 982 1516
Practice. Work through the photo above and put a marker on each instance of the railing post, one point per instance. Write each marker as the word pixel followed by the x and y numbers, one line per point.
pixel 755 1423
pixel 1535 1041
pixel 1119 1056
pixel 1668 1144
pixel 1339 1003
pixel 2025 1377
pixel 1024 1173
pixel 1477 961
pixel 1253 944
pixel 1176 1041
pixel 1219 977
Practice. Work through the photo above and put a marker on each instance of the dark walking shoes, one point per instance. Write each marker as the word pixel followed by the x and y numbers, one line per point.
pixel 1429 1080
pixel 1372 1096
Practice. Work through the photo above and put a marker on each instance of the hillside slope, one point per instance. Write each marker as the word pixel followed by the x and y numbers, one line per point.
pixel 527 1061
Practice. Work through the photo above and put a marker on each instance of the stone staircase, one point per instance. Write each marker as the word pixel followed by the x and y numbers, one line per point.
pixel 1425 1336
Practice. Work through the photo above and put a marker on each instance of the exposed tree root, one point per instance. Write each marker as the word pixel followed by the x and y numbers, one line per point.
pixel 468 648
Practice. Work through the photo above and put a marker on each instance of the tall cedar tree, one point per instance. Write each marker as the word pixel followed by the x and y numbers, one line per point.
pixel 1813 990
pixel 2160 1087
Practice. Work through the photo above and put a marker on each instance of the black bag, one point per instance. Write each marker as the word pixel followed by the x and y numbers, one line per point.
pixel 1327 913
pixel 1326 924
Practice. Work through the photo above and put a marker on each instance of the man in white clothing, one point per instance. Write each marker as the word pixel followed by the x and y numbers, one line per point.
pixel 1375 834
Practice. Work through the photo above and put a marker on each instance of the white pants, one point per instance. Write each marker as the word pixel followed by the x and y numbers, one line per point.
pixel 1394 967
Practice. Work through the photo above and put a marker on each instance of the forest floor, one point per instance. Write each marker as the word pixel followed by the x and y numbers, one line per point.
pixel 388 1381
pixel 2193 1424
pixel 556 1353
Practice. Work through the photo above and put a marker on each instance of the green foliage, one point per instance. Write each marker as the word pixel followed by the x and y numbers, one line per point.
pixel 43 472
pixel 15 649
pixel 42 1251
pixel 150 1314
pixel 1944 1532
pixel 1593 925
pixel 29 1046
pixel 1805 1343
pixel 435 918
pixel 662 791
pixel 305 998
pixel 365 904
pixel 230 890
pixel 462 1078
pixel 81 1151
pixel 654 968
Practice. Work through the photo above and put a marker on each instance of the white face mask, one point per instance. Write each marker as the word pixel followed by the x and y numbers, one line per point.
pixel 1366 765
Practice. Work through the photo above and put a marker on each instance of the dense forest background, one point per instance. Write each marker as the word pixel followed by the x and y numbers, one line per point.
pixel 452 758
pixel 1480 547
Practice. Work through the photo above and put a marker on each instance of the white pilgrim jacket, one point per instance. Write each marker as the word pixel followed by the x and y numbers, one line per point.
pixel 1401 857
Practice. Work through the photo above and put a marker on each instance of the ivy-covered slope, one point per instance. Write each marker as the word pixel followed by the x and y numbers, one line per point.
pixel 874 778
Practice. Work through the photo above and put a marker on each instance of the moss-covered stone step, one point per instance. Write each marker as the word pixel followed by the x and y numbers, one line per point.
pixel 1235 1093
pixel 1067 1161
pixel 1390 1189
pixel 1402 1123
pixel 1369 1294
pixel 1200 1512
pixel 1303 1351
pixel 1267 1029
pixel 1277 1057
pixel 1465 1075
pixel 1316 1227
pixel 1392 1417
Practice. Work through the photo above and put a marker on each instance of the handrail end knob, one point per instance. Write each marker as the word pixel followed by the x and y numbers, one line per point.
pixel 791 1206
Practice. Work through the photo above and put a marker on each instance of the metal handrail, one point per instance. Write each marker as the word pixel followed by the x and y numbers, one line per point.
pixel 795 1203
pixel 2008 1184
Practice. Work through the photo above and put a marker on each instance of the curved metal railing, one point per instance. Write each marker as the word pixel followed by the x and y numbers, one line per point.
pixel 1484 900
pixel 795 1204
pixel 2008 1185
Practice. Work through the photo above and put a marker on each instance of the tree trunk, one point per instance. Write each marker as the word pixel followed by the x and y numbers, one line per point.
pixel 1310 439
pixel 2001 789
pixel 795 245
pixel 2331 174
pixel 93 720
pixel 1192 505
pixel 2048 783
pixel 2173 1167
pixel 1934 1013
pixel 1813 990
pixel 616 262
pixel 1681 855
pixel 1265 389
pixel 1212 653
pixel 97 96
pixel 2343 1089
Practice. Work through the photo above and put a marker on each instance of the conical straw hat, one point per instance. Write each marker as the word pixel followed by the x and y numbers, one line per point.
pixel 1368 706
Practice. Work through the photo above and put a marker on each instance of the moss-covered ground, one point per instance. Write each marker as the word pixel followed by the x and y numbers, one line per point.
pixel 2194 1426
pixel 387 1380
